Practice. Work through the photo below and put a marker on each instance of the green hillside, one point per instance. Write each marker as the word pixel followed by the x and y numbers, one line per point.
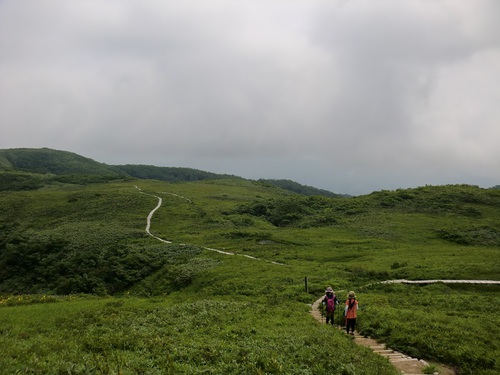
pixel 30 169
pixel 125 302
pixel 299 188
pixel 45 160
pixel 169 174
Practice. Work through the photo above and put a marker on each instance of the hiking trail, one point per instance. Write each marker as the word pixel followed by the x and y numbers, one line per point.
pixel 404 363
pixel 160 201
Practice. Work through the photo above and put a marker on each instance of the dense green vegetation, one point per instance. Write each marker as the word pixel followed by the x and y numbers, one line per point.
pixel 169 174
pixel 298 188
pixel 29 169
pixel 57 162
pixel 159 336
pixel 446 320
pixel 84 289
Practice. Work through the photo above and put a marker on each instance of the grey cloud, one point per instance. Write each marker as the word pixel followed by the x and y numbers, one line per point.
pixel 353 95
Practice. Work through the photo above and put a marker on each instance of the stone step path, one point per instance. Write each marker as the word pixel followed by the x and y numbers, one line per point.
pixel 404 363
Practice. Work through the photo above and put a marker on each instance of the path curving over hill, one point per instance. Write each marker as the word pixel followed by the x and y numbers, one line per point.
pixel 160 201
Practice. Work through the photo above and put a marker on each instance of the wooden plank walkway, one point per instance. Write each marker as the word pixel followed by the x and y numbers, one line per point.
pixel 404 363
pixel 403 281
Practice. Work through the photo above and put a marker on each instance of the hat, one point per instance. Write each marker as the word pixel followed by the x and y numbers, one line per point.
pixel 329 290
pixel 351 294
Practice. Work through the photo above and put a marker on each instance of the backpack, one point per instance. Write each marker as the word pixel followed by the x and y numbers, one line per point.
pixel 330 303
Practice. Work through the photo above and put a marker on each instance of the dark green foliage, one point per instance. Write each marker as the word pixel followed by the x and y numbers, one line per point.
pixel 30 169
pixel 83 179
pixel 45 160
pixel 100 262
pixel 438 199
pixel 16 181
pixel 170 174
pixel 21 181
pixel 397 265
pixel 299 188
pixel 294 211
pixel 177 274
pixel 480 236
pixel 315 211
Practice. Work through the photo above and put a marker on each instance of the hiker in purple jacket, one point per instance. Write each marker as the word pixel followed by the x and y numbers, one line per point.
pixel 330 302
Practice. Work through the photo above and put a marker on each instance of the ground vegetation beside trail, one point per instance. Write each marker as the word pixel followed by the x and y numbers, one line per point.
pixel 77 257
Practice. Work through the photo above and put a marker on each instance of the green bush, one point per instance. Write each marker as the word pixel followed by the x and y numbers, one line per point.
pixel 482 236
pixel 100 262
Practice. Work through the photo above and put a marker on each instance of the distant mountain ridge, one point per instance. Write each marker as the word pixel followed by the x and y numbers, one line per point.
pixel 299 188
pixel 170 174
pixel 32 168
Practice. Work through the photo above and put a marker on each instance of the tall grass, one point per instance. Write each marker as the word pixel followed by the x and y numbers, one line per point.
pixel 156 336
pixel 451 323
pixel 212 313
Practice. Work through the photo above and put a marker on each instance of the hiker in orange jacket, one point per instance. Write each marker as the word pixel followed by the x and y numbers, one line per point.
pixel 351 306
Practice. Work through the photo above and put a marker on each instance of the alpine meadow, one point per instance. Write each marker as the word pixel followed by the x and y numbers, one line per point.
pixel 94 280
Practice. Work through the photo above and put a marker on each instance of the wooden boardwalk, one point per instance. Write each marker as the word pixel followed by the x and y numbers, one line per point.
pixel 403 281
pixel 404 363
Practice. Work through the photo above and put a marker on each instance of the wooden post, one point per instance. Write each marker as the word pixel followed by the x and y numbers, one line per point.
pixel 307 287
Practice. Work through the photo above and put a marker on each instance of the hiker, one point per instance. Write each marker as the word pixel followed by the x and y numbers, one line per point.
pixel 351 306
pixel 330 301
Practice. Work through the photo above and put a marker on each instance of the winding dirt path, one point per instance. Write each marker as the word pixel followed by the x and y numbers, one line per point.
pixel 160 201
pixel 404 363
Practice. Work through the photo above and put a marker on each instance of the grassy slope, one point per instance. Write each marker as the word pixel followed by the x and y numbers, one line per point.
pixel 238 315
pixel 45 160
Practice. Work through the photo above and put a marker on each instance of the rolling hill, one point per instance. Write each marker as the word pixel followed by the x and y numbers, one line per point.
pixel 48 161
pixel 27 168
pixel 219 285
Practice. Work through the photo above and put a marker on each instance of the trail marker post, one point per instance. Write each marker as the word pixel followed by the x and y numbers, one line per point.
pixel 306 286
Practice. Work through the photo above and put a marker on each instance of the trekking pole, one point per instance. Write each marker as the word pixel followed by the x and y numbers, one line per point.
pixel 339 322
pixel 323 315
pixel 338 315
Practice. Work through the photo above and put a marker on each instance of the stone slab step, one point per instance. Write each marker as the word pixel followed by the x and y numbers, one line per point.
pixel 395 356
pixel 386 352
pixel 405 360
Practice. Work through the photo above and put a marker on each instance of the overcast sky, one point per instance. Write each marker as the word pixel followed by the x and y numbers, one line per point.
pixel 350 96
